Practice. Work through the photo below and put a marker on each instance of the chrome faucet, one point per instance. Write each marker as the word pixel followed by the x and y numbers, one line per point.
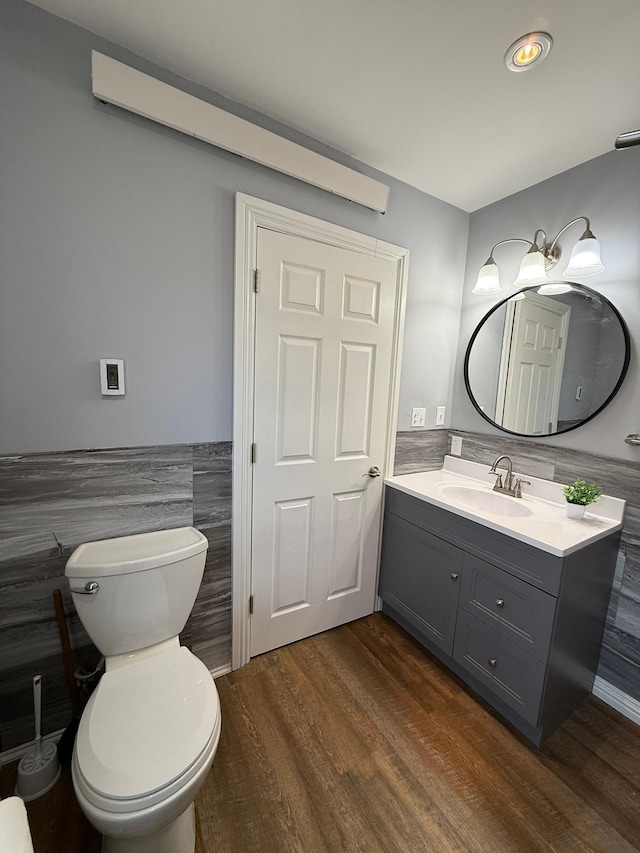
pixel 508 487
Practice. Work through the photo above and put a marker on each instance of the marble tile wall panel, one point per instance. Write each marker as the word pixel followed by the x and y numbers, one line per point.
pixel 49 504
pixel 527 457
pixel 420 450
pixel 212 484
pixel 63 499
pixel 620 661
pixel 208 631
pixel 612 610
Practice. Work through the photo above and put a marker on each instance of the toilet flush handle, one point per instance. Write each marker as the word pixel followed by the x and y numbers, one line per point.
pixel 90 588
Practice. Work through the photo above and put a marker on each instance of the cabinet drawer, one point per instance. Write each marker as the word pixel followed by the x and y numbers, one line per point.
pixel 512 675
pixel 515 609
pixel 420 578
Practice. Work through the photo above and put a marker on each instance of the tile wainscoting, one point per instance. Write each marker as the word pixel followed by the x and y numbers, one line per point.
pixel 52 502
pixel 620 657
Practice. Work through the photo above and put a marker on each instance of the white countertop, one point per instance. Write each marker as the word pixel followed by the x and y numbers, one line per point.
pixel 546 527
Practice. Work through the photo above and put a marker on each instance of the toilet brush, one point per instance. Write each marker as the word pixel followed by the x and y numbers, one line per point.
pixel 39 767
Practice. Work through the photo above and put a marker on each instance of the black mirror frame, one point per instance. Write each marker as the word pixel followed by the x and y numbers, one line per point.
pixel 623 372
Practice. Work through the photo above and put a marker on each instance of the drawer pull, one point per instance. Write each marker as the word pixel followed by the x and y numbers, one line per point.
pixel 454 576
pixel 493 662
pixel 499 602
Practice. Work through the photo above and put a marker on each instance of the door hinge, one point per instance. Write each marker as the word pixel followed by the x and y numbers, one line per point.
pixel 256 281
pixel 254 454
pixel 250 605
pixel 560 342
pixel 550 426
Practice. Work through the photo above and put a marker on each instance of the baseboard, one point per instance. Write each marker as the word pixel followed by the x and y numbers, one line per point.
pixel 220 670
pixel 627 705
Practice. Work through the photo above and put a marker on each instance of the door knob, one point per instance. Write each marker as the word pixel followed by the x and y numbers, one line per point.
pixel 374 471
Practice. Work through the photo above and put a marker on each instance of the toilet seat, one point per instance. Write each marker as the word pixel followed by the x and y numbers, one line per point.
pixel 146 731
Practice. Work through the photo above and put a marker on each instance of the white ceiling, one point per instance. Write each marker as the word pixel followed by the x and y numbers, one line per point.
pixel 416 88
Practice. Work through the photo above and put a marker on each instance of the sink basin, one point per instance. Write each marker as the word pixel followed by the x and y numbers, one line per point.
pixel 484 501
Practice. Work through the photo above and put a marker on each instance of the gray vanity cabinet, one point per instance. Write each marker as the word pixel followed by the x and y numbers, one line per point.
pixel 521 626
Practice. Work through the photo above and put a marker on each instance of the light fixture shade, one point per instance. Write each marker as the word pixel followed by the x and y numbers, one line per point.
pixel 585 259
pixel 488 279
pixel 532 269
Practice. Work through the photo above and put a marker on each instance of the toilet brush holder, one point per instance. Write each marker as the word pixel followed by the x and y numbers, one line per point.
pixel 39 767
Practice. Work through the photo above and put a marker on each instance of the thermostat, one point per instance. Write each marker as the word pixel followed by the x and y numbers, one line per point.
pixel 111 376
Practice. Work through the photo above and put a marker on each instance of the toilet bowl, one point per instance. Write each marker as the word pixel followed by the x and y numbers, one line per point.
pixel 149 733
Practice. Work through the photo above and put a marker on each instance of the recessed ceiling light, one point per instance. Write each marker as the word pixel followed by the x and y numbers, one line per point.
pixel 527 51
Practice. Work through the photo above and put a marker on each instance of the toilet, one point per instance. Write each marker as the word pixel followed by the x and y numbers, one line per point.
pixel 150 730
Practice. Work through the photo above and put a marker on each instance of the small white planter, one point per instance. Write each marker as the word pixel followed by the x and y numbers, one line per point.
pixel 575 510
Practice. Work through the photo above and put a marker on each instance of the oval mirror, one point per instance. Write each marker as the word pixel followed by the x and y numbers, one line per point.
pixel 547 359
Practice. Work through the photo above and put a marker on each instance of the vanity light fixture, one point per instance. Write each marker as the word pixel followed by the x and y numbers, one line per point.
pixel 528 51
pixel 584 261
pixel 628 139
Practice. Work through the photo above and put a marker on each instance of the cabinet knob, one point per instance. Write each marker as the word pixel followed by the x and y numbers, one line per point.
pixel 493 662
pixel 499 602
pixel 454 576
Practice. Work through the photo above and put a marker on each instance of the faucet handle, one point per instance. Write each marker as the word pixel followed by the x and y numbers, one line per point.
pixel 498 476
pixel 517 490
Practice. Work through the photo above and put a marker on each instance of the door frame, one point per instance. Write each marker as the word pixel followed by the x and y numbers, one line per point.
pixel 251 214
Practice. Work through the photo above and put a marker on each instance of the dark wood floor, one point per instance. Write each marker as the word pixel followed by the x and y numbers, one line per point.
pixel 357 739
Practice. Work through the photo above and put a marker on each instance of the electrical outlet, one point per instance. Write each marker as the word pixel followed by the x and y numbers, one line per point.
pixel 440 413
pixel 418 417
pixel 456 445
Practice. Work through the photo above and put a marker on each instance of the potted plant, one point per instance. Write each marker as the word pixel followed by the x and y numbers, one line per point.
pixel 579 495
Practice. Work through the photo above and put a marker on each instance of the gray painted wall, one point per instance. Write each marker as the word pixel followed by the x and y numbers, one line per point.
pixel 116 239
pixel 607 190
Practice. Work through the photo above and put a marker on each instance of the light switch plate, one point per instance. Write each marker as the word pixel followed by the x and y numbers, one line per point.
pixel 111 376
pixel 418 417
pixel 440 413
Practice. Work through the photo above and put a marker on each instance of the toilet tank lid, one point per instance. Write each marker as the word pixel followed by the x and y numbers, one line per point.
pixel 137 553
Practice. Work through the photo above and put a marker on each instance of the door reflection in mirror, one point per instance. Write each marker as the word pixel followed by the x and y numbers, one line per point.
pixel 547 359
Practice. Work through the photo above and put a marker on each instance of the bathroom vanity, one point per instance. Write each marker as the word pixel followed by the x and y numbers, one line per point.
pixel 509 593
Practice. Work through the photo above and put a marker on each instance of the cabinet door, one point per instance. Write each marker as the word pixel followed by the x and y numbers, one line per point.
pixel 420 578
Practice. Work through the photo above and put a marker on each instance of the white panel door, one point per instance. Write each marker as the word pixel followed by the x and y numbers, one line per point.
pixel 323 348
pixel 536 360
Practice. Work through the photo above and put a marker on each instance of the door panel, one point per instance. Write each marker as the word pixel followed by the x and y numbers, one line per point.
pixel 298 384
pixel 346 548
pixel 324 334
pixel 292 554
pixel 355 398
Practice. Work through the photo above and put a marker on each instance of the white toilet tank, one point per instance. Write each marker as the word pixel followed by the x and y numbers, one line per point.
pixel 135 591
